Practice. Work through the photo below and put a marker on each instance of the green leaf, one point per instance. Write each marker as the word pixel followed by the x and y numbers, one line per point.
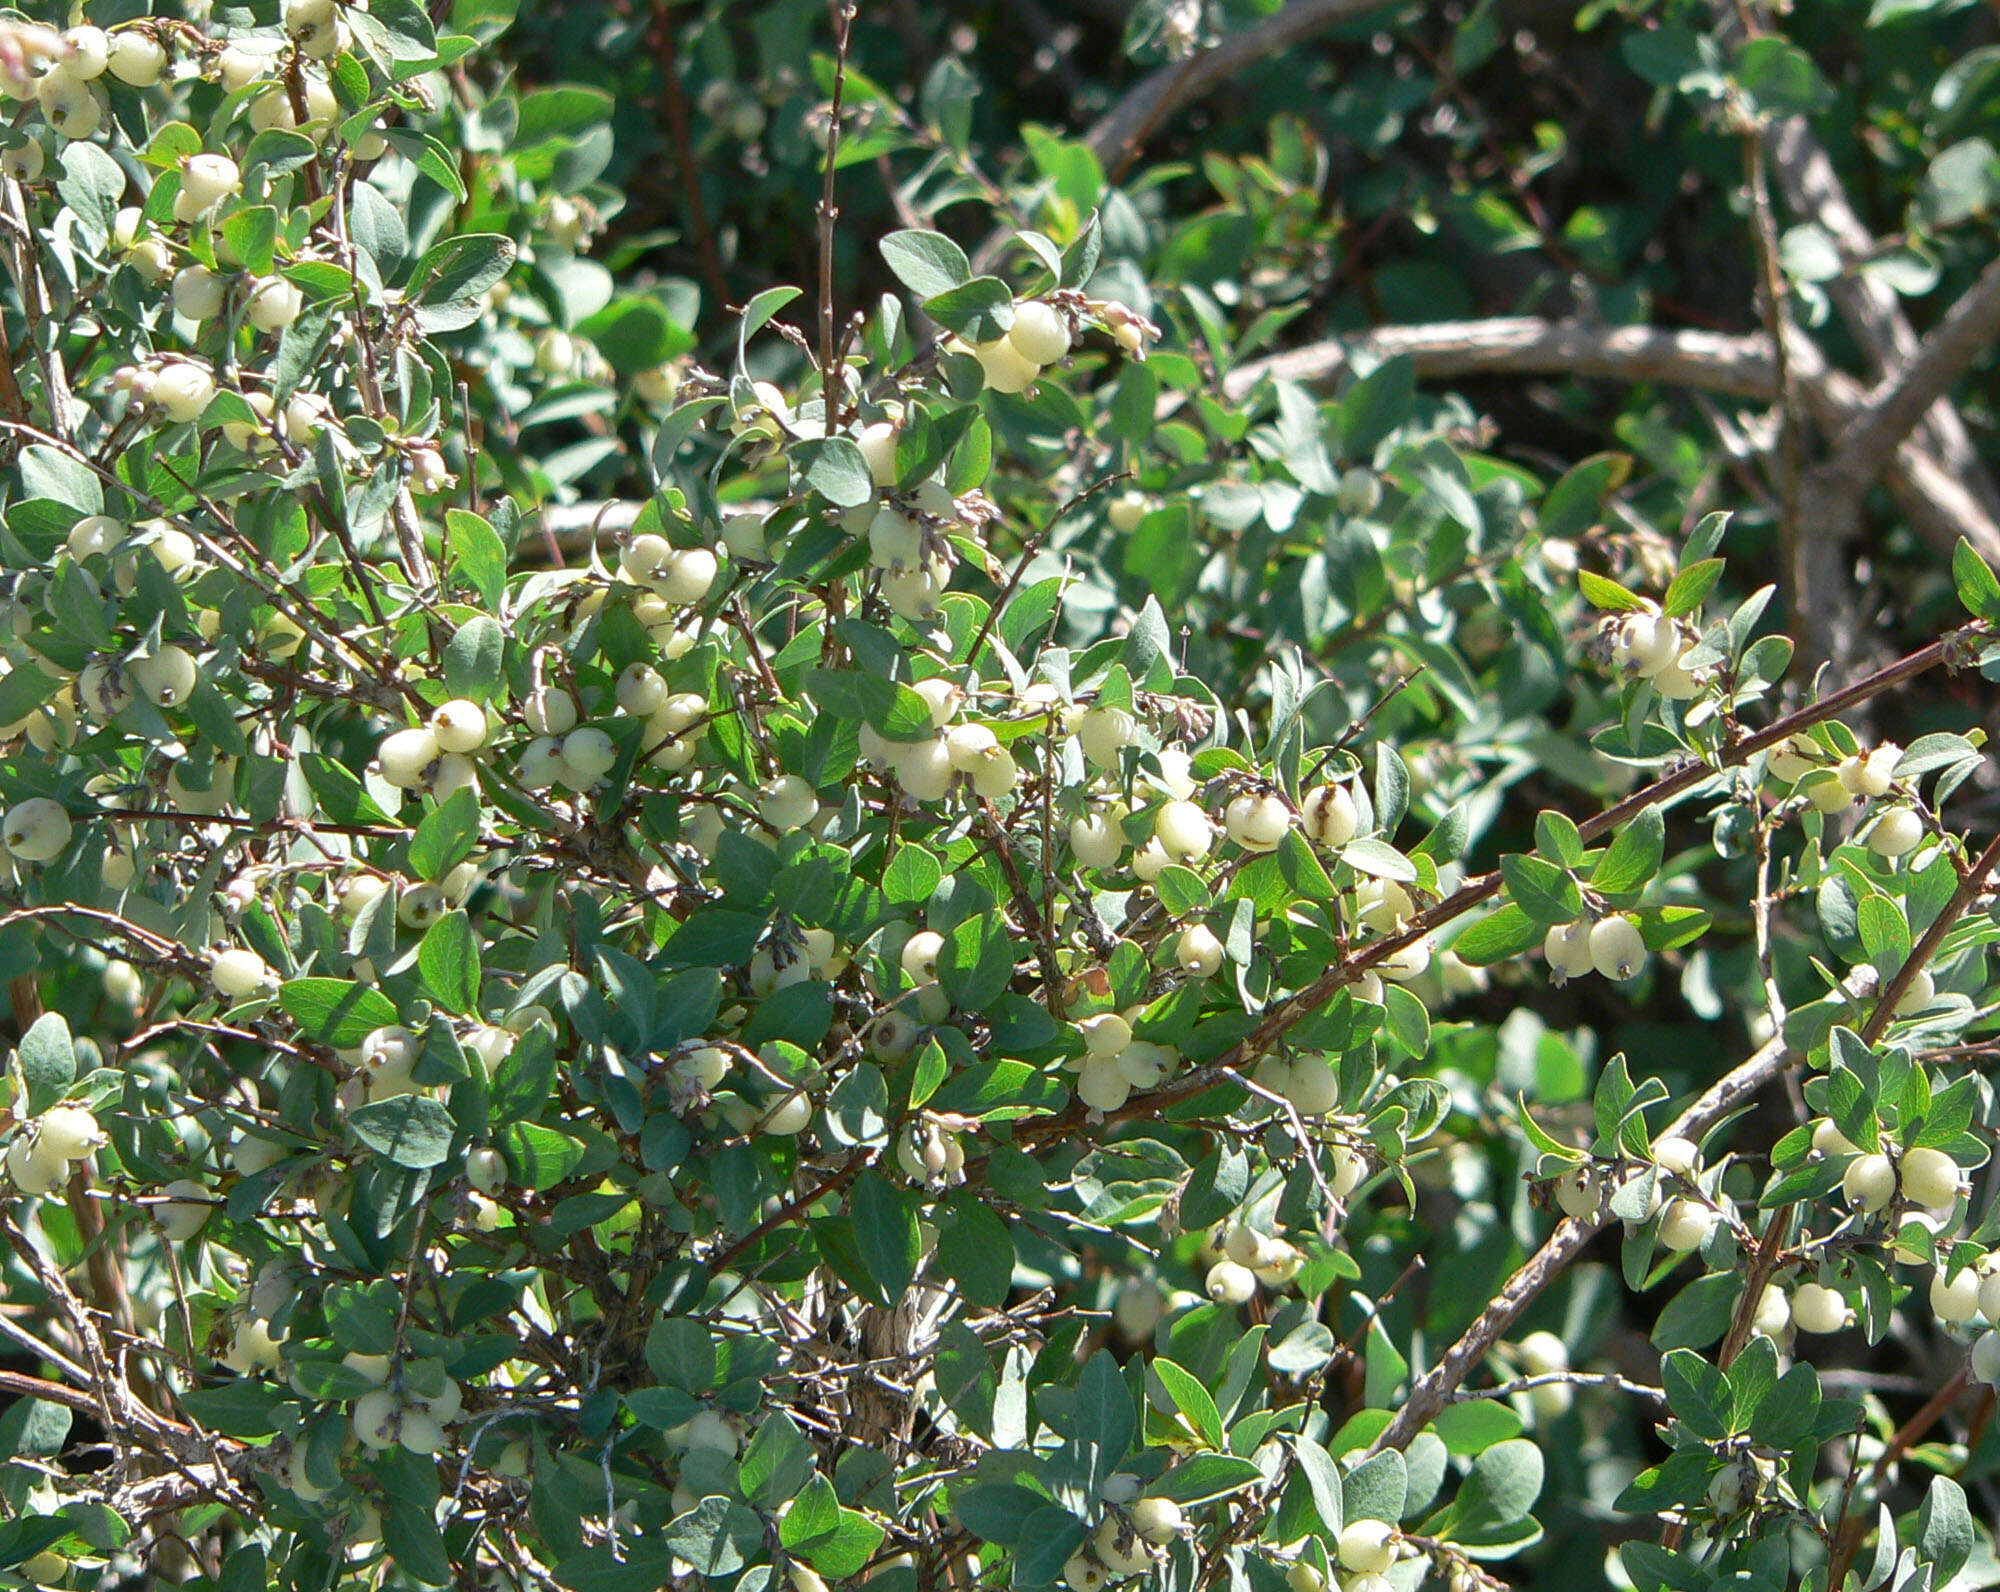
pixel 410 1533
pixel 1476 1425
pixel 778 1462
pixel 1379 858
pixel 472 660
pixel 1507 931
pixel 336 1011
pixel 449 283
pixel 1376 405
pixel 478 554
pixel 979 311
pixel 1698 1394
pixel 1203 1478
pixel 885 1232
pixel 927 263
pixel 1191 1399
pixel 411 1130
pixel 445 836
pixel 1048 1541
pixel 836 469
pixel 1634 856
pixel 448 960
pixel 1788 1413
pixel 1377 1488
pixel 1542 890
pixel 538 1157
pixel 48 1061
pixel 717 1536
pixel 895 711
pixel 1691 587
pixel 1978 587
pixel 1505 1482
pixel 1602 592
pixel 977 961
pixel 681 1353
pixel 1103 1416
pixel 1323 1478
pixel 1944 1529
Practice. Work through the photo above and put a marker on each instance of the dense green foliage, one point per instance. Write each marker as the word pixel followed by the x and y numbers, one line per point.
pixel 1171 835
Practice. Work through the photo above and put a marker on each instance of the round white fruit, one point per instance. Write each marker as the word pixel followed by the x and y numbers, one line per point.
pixel 1929 1177
pixel 1685 1225
pixel 1617 950
pixel 1870 1182
pixel 1367 1546
pixel 36 830
pixel 1819 1309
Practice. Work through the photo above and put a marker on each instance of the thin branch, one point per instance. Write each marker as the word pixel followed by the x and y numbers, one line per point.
pixel 1434 1391
pixel 830 372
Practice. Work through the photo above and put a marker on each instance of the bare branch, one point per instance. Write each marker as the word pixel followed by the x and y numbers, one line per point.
pixel 1869 309
pixel 1527 345
pixel 1895 408
pixel 1121 131
pixel 1434 1391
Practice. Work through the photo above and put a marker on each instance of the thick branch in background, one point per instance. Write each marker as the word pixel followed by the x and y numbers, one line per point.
pixel 1940 505
pixel 1896 407
pixel 1121 131
pixel 1869 309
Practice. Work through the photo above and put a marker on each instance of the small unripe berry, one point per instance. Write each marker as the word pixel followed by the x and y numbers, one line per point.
pixel 207 179
pixel 273 304
pixel 36 830
pixel 1819 1309
pixel 1257 822
pixel 1198 951
pixel 1617 950
pixel 198 293
pixel 167 678
pixel 1986 1357
pixel 1103 733
pixel 1183 830
pixel 588 754
pixel 1685 1225
pixel 135 58
pixel 238 973
pixel 1870 1182
pixel 1368 1546
pixel 1929 1177
pixel 181 391
pixel 1896 832
pixel 1677 1155
pixel 1955 1298
pixel 1330 816
pixel 1917 994
pixel 878 446
pixel 187 1214
pixel 69 1133
pixel 1095 842
pixel 1040 334
pixel 1126 511
pixel 406 755
pixel 1567 949
pixel 1229 1283
pixel 1312 1086
pixel 1005 367
pixel 459 725
pixel 1158 1520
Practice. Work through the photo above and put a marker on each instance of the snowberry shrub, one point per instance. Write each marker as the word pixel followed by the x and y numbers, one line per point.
pixel 828 1037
